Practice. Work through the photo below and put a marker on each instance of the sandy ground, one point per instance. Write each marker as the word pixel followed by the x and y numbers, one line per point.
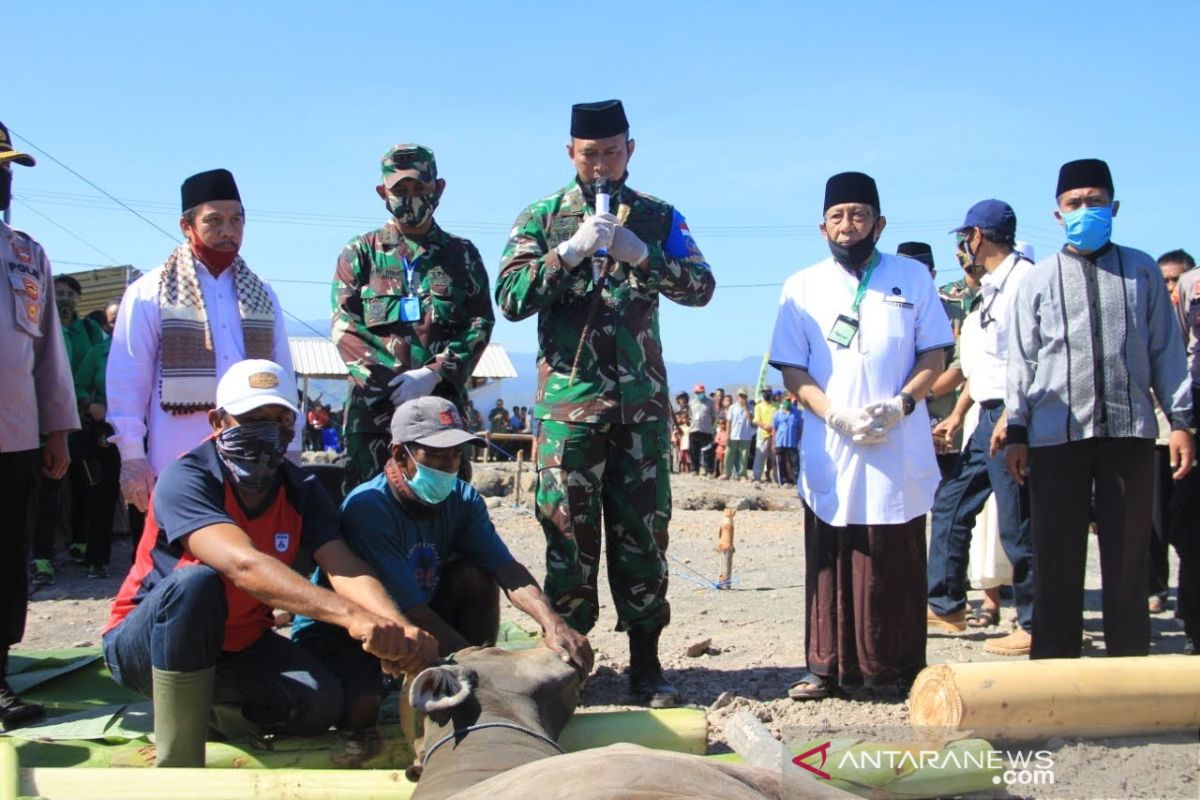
pixel 757 641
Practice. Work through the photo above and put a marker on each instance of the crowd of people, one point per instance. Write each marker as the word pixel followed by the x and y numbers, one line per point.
pixel 1072 371
pixel 733 437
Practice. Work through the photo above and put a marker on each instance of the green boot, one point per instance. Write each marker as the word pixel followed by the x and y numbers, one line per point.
pixel 182 704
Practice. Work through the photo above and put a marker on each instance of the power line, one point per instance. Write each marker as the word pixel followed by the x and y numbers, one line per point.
pixel 70 232
pixel 170 236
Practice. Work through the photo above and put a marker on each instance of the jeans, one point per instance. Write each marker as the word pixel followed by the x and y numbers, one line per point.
pixel 764 457
pixel 959 500
pixel 180 626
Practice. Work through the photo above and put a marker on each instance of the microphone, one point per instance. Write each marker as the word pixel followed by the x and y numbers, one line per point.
pixel 603 189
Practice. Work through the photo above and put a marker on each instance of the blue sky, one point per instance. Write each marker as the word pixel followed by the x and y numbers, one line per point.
pixel 741 111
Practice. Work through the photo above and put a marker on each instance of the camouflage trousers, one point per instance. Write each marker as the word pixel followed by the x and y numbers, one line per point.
pixel 367 453
pixel 623 470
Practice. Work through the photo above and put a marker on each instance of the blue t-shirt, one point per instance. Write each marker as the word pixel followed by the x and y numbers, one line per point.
pixel 787 427
pixel 409 551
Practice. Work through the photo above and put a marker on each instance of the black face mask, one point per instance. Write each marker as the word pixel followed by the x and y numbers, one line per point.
pixel 853 256
pixel 5 189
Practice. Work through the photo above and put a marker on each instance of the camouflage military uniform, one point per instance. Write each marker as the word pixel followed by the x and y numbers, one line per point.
pixel 956 300
pixel 603 441
pixel 451 333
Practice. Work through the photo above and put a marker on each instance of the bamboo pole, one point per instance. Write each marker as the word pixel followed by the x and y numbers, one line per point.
pixel 1089 697
pixel 214 784
pixel 517 478
pixel 10 783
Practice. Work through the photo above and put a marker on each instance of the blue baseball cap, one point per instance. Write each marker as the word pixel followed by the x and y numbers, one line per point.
pixel 995 215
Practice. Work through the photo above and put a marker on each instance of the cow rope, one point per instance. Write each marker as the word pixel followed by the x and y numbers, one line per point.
pixel 480 726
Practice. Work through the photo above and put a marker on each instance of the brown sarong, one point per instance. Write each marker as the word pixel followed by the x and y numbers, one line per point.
pixel 864 601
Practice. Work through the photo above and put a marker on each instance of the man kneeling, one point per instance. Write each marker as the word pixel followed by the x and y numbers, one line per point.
pixel 428 536
pixel 191 625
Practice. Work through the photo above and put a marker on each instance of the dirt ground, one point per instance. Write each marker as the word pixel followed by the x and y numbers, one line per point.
pixel 757 638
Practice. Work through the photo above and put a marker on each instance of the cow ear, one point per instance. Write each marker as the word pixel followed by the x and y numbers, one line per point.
pixel 440 688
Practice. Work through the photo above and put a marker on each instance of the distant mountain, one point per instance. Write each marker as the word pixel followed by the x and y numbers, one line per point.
pixel 308 327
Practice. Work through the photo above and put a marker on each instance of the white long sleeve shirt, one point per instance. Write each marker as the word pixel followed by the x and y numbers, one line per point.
pixel 134 370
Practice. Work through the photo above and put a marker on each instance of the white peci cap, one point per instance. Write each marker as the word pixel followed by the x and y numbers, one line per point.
pixel 255 383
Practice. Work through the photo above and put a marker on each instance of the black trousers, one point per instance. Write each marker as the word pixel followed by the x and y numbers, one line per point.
pixel 1061 480
pixel 703 452
pixel 1184 534
pixel 16 482
pixel 1160 528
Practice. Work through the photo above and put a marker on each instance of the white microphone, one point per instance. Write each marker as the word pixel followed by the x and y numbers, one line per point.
pixel 603 189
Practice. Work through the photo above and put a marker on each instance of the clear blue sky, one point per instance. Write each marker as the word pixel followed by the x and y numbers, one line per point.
pixel 740 111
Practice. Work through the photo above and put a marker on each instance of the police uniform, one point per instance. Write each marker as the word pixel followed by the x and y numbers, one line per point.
pixel 37 396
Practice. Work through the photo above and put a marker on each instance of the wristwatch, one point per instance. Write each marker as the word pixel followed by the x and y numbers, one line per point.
pixel 910 405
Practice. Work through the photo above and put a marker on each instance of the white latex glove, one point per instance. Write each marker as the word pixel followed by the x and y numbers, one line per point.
pixel 850 422
pixel 137 481
pixel 413 384
pixel 627 247
pixel 596 233
pixel 887 412
pixel 873 436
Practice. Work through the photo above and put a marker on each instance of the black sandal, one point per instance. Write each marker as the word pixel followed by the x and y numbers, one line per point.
pixel 984 617
pixel 810 687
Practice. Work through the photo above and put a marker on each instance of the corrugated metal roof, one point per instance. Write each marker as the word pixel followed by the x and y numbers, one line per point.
pixel 102 285
pixel 494 363
pixel 318 358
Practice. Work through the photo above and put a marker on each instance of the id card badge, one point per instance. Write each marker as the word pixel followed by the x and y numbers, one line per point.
pixel 843 330
pixel 410 309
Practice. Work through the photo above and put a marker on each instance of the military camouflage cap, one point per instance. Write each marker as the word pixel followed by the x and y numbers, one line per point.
pixel 408 161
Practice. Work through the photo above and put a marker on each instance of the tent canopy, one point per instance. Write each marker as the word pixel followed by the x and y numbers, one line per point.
pixel 316 357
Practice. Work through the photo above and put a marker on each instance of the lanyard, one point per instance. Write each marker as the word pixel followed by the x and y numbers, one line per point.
pixel 862 285
pixel 410 270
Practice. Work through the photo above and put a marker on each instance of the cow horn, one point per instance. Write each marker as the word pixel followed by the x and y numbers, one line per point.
pixel 440 688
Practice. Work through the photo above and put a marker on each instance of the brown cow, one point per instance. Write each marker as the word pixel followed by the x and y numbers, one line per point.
pixel 493 718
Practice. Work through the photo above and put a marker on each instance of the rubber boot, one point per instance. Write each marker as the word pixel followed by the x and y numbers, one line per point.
pixel 646 682
pixel 14 712
pixel 182 705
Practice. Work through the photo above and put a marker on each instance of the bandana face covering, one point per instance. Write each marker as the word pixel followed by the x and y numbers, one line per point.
pixel 5 189
pixel 252 453
pixel 412 210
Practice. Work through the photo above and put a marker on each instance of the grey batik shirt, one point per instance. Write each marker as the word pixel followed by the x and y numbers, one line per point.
pixel 1090 339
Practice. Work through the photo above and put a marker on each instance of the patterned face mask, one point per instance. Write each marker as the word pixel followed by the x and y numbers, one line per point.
pixel 412 210
pixel 252 453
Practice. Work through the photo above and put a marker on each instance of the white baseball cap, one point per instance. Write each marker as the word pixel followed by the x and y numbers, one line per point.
pixel 254 383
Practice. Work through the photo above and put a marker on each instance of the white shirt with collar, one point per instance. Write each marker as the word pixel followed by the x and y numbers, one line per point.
pixel 134 369
pixel 997 295
pixel 900 318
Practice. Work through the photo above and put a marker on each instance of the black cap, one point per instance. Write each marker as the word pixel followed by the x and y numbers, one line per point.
pixel 851 187
pixel 1084 173
pixel 918 250
pixel 598 120
pixel 205 187
pixel 8 153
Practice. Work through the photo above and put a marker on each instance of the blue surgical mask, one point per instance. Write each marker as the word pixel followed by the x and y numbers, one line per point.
pixel 431 486
pixel 1088 228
